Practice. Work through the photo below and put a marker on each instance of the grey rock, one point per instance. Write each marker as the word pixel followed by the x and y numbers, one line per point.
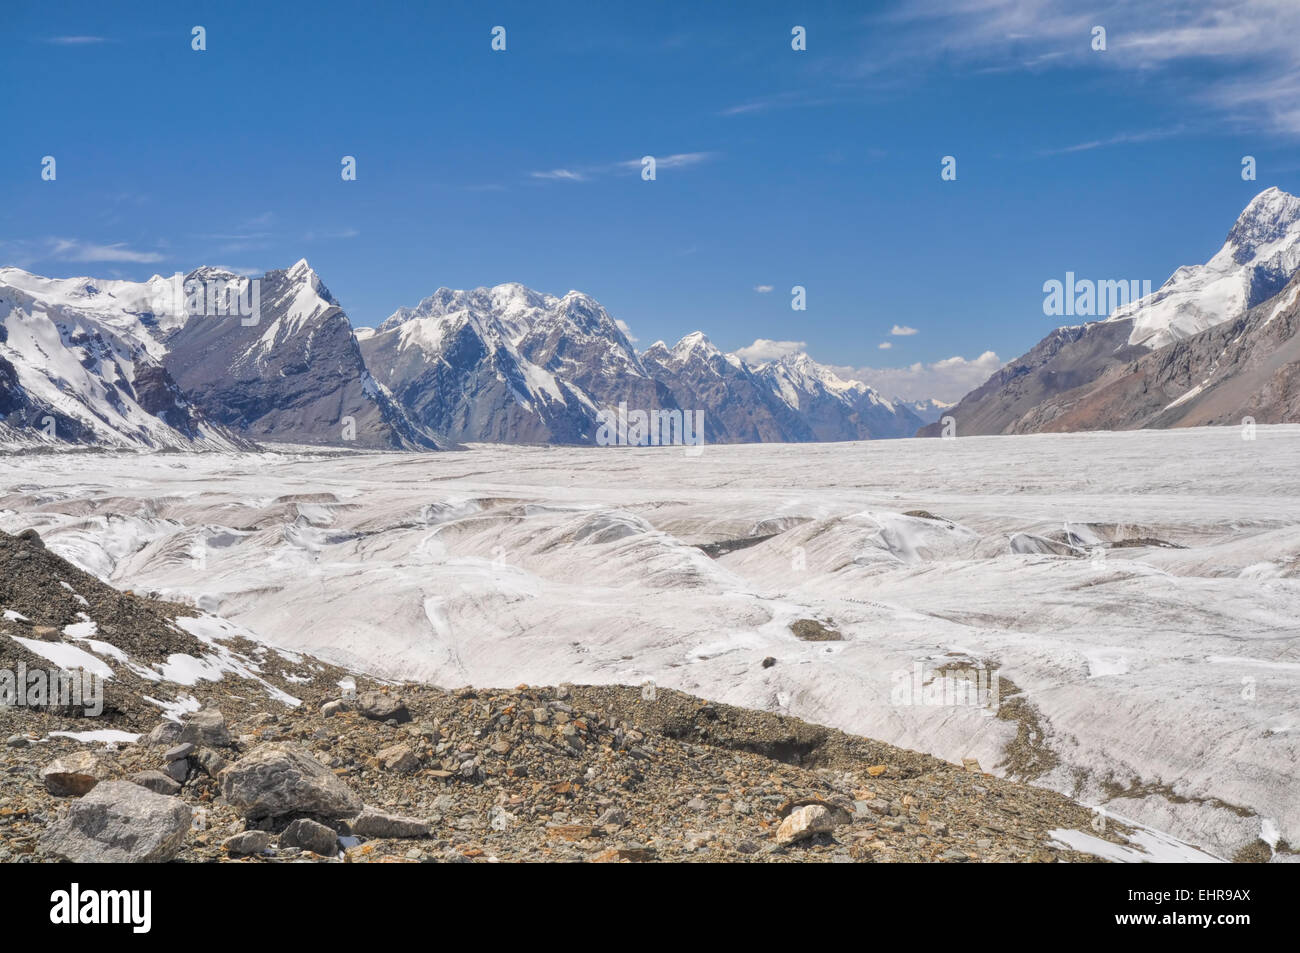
pixel 206 728
pixel 278 779
pixel 379 706
pixel 612 816
pixel 119 822
pixel 811 819
pixel 210 762
pixel 180 751
pixel 178 771
pixel 164 733
pixel 155 781
pixel 74 775
pixel 247 843
pixel 375 823
pixel 311 835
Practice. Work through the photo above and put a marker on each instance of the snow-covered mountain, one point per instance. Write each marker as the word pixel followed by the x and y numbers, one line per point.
pixel 156 364
pixel 928 410
pixel 81 362
pixel 738 405
pixel 1258 258
pixel 293 373
pixel 1125 370
pixel 837 409
pixel 1238 369
pixel 170 362
pixel 505 364
pixel 514 365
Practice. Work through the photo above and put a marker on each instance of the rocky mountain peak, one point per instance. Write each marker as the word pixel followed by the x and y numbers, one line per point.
pixel 1272 217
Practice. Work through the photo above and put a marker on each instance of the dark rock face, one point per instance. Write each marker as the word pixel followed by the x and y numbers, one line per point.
pixel 1221 329
pixel 1067 358
pixel 294 376
pixel 1249 367
pixel 1244 368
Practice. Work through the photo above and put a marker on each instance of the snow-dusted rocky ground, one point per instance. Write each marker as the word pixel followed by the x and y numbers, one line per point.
pixel 1165 682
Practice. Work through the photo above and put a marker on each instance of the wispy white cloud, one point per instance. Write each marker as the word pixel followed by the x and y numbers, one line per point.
pixel 563 175
pixel 1240 58
pixel 76 40
pixel 1126 138
pixel 330 234
pixel 885 345
pixel 678 160
pixel 763 289
pixel 787 100
pixel 70 249
pixel 902 330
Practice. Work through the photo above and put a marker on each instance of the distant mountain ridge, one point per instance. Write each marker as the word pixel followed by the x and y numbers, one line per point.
pixel 140 364
pixel 510 364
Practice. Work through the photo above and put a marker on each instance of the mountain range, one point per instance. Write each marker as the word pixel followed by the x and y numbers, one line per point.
pixel 160 365
pixel 1215 344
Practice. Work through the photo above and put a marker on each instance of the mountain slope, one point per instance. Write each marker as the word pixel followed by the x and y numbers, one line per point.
pixel 1249 367
pixel 79 364
pixel 837 409
pixel 1257 259
pixel 295 376
pixel 456 364
pixel 739 406
pixel 1070 379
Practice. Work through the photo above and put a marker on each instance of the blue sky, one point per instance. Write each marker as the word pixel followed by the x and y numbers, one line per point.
pixel 777 168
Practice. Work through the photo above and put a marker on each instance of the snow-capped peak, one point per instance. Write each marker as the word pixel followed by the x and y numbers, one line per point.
pixel 694 343
pixel 792 374
pixel 1272 216
pixel 1258 258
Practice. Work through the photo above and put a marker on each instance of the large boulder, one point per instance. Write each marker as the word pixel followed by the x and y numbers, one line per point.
pixel 119 822
pixel 277 780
